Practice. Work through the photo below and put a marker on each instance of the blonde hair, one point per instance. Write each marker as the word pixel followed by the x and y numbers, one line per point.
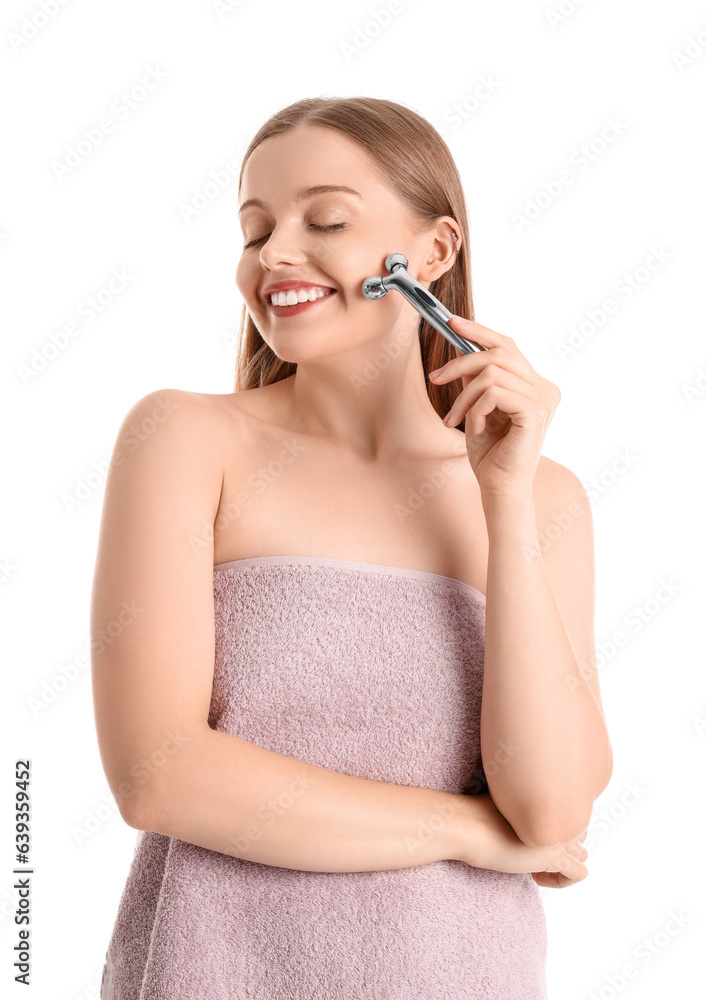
pixel 416 161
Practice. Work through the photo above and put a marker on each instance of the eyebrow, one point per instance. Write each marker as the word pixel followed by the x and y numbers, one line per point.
pixel 308 192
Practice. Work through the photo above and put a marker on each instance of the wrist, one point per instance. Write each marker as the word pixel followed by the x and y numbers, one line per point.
pixel 518 497
pixel 467 829
pixel 509 511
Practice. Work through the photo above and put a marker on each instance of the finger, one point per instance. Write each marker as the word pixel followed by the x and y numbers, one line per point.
pixel 550 880
pixel 508 393
pixel 577 849
pixel 553 880
pixel 575 870
pixel 484 336
pixel 529 413
pixel 567 865
pixel 471 365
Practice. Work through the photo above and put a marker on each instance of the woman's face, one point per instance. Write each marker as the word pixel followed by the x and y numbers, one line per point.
pixel 284 240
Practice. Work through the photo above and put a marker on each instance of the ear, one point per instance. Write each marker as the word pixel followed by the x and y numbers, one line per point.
pixel 444 244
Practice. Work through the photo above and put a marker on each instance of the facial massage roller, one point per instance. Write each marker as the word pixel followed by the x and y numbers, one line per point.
pixel 423 301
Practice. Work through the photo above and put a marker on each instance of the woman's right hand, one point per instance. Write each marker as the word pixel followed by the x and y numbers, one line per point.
pixel 492 843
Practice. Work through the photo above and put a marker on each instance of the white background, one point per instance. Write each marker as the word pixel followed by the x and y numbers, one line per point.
pixel 630 423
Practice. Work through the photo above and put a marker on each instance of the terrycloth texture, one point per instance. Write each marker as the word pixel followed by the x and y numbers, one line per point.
pixel 369 670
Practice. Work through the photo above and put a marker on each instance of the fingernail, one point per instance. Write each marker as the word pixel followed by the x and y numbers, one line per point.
pixel 435 372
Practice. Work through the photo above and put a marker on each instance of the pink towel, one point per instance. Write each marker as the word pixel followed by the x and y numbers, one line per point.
pixel 369 670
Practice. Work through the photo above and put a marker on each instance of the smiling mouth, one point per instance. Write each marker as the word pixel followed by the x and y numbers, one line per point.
pixel 298 307
pixel 293 296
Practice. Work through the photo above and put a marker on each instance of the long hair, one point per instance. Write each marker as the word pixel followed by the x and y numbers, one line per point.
pixel 418 165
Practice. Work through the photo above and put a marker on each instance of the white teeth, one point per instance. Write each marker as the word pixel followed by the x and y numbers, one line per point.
pixel 296 295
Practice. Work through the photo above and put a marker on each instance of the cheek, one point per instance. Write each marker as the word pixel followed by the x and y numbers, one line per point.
pixel 246 277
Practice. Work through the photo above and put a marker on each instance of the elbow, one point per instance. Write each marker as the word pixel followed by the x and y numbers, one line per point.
pixel 157 804
pixel 552 825
pixel 136 814
pixel 142 813
pixel 548 830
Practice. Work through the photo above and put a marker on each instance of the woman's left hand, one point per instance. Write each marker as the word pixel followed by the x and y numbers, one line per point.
pixel 507 405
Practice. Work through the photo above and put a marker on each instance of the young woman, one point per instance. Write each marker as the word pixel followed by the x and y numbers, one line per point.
pixel 342 618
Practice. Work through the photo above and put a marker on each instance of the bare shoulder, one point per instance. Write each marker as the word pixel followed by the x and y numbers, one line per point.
pixel 564 522
pixel 182 433
pixel 549 471
pixel 208 433
pixel 558 491
pixel 203 403
pixel 198 418
pixel 156 409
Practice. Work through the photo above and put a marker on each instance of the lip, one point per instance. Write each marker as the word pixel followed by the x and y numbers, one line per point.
pixel 284 286
pixel 300 306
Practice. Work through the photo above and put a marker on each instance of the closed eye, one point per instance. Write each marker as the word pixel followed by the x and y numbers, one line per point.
pixel 323 229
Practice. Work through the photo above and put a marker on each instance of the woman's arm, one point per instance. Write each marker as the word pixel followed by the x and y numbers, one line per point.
pixel 232 796
pixel 544 740
pixel 540 687
pixel 152 660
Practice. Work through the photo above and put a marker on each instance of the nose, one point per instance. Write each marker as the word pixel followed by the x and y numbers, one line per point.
pixel 283 246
